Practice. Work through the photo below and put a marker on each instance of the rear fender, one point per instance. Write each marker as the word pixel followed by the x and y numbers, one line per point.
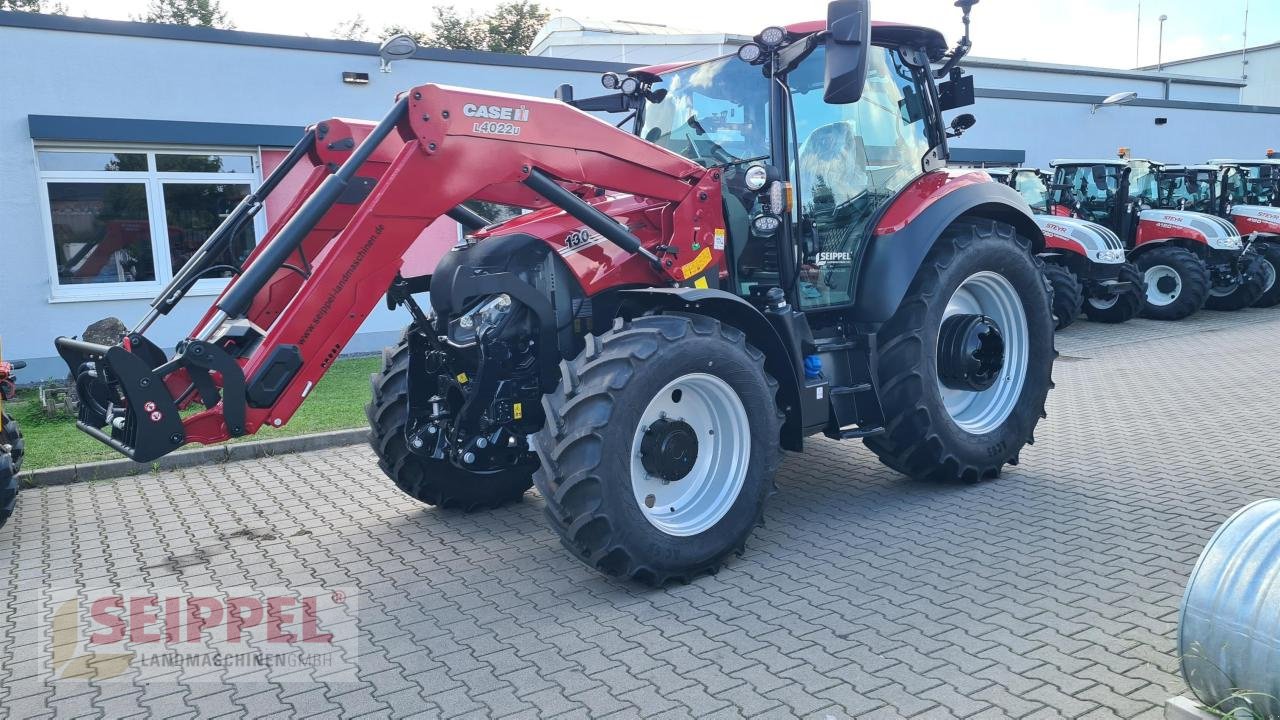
pixel 735 311
pixel 897 250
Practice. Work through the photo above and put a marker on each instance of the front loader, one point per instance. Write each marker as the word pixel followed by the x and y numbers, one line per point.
pixel 775 249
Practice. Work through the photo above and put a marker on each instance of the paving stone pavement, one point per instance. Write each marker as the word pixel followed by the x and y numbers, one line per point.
pixel 1051 592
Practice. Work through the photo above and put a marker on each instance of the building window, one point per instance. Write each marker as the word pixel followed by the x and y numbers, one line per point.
pixel 122 222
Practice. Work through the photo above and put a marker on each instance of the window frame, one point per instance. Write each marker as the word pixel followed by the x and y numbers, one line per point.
pixel 153 182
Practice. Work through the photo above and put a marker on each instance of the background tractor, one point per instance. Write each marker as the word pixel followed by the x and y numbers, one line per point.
pixel 774 249
pixel 1189 260
pixel 1261 179
pixel 1228 191
pixel 1083 261
pixel 12 445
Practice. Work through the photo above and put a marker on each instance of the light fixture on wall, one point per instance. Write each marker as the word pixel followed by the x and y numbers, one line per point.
pixel 396 47
pixel 1118 99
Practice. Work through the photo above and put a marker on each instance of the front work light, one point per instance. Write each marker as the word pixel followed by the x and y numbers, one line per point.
pixel 610 81
pixel 750 52
pixel 772 37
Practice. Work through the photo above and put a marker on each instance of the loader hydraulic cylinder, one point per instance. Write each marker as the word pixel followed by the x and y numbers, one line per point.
pixel 235 303
pixel 609 228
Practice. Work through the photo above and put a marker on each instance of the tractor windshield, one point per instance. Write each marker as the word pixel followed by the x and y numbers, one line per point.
pixel 1144 185
pixel 1031 185
pixel 714 113
pixel 1187 190
pixel 1091 190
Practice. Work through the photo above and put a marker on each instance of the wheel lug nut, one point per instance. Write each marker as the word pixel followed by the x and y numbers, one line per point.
pixel 649 501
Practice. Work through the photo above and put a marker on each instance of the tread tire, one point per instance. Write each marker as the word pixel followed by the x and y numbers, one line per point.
pixel 920 439
pixel 13 437
pixel 585 446
pixel 1248 292
pixel 434 482
pixel 1269 252
pixel 1128 305
pixel 1068 294
pixel 1195 282
pixel 10 464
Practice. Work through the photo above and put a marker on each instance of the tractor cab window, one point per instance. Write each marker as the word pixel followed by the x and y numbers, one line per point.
pixel 714 113
pixel 1144 183
pixel 1033 189
pixel 850 161
pixel 1186 190
pixel 1091 190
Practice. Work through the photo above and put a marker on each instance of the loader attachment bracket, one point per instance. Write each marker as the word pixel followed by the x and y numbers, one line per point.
pixel 123 388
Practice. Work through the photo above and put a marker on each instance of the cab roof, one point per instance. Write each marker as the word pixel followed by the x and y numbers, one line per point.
pixel 1190 167
pixel 1107 161
pixel 887 33
pixel 1254 161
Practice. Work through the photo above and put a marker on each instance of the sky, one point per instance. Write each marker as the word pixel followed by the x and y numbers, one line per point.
pixel 1102 33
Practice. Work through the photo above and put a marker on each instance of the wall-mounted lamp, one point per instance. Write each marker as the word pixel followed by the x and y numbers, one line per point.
pixel 1118 99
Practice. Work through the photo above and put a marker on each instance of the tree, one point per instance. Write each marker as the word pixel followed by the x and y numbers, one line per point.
pixel 509 28
pixel 35 6
pixel 354 29
pixel 198 13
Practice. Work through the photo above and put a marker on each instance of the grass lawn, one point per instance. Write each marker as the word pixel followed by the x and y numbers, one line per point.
pixel 336 403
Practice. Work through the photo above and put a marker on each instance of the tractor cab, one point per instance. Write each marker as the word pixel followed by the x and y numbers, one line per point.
pixel 1190 187
pixel 1257 181
pixel 1095 190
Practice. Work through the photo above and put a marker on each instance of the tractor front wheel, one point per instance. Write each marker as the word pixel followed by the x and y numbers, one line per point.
pixel 1177 283
pixel 1120 306
pixel 431 481
pixel 965 363
pixel 11 451
pixel 660 447
pixel 1068 293
pixel 1269 253
pixel 1246 288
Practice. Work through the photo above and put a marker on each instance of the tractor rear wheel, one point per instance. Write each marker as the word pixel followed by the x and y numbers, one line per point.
pixel 434 482
pixel 1248 287
pixel 11 435
pixel 1269 253
pixel 1177 283
pixel 660 447
pixel 966 362
pixel 1120 306
pixel 1068 293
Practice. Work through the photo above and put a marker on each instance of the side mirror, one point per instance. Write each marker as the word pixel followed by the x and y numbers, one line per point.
pixel 848 41
pixel 960 123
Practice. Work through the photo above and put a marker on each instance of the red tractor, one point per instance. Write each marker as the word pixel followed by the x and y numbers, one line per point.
pixel 776 250
pixel 1261 179
pixel 1083 261
pixel 12 445
pixel 1189 260
pixel 1228 191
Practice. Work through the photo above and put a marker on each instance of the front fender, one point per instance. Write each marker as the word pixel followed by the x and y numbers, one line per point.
pixel 735 311
pixel 897 248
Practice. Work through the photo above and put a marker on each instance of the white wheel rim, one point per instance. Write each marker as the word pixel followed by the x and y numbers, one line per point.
pixel 1268 275
pixel 697 501
pixel 990 294
pixel 1153 276
pixel 1105 303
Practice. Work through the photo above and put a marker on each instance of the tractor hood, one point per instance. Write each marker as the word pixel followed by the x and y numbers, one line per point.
pixel 1256 218
pixel 1155 225
pixel 1082 237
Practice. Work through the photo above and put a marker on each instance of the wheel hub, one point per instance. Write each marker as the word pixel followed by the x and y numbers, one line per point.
pixel 1166 284
pixel 970 352
pixel 669 449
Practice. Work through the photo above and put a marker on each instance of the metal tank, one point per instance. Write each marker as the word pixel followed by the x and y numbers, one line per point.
pixel 1229 626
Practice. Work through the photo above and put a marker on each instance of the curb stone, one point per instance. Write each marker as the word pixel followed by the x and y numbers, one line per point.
pixel 109 469
pixel 1184 708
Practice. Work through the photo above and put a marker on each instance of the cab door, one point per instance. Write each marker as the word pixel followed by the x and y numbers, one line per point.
pixel 849 162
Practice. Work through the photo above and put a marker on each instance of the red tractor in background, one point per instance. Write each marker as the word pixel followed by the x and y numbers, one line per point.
pixel 1083 261
pixel 1189 260
pixel 776 249
pixel 1224 190
pixel 12 444
pixel 1261 179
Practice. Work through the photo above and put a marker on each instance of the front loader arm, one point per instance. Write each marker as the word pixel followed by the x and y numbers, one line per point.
pixel 367 193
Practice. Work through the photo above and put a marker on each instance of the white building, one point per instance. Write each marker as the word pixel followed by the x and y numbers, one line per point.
pixel 121 144
pixel 1258 66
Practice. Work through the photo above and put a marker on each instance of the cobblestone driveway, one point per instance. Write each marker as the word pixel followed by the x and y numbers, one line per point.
pixel 1051 592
